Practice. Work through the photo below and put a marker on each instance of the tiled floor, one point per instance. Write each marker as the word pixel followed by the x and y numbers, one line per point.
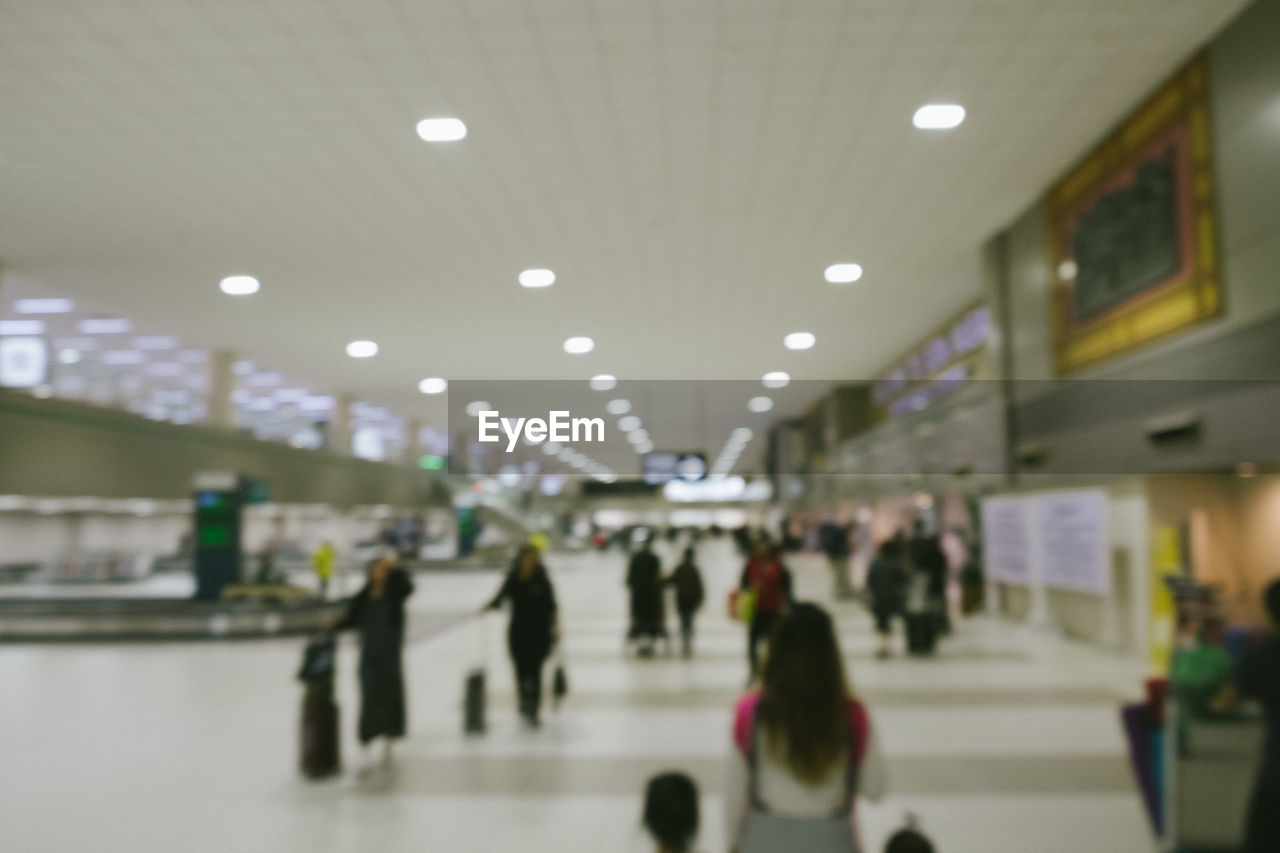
pixel 1005 742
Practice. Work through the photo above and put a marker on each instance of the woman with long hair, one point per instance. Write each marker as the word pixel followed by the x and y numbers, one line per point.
pixel 534 625
pixel 803 749
pixel 377 612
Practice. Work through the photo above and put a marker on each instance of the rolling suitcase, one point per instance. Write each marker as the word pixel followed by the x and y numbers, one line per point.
pixel 319 729
pixel 922 633
pixel 473 711
pixel 320 755
pixel 473 695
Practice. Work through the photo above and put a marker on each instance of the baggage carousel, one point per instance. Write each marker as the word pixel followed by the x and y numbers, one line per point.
pixel 68 619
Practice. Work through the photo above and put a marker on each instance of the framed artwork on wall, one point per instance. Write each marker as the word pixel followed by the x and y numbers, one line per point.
pixel 1133 230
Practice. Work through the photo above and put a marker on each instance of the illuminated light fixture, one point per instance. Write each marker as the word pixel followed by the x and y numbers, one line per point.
pixel 628 423
pixel 433 385
pixel 843 273
pixel 638 435
pixel 43 306
pixel 742 435
pixel 122 356
pixel 156 342
pixel 441 130
pixel 603 382
pixel 643 447
pixel 566 454
pixel 105 326
pixel 618 407
pixel 579 345
pixel 759 405
pixel 1067 270
pixel 165 369
pixel 799 340
pixel 69 356
pixel 362 349
pixel 21 327
pixel 775 379
pixel 475 407
pixel 536 278
pixel 550 448
pixel 938 116
pixel 239 285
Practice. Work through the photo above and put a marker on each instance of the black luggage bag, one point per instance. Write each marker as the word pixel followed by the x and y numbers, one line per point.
pixel 922 633
pixel 320 755
pixel 473 710
pixel 320 718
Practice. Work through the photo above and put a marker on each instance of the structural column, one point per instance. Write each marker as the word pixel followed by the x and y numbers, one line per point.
pixel 338 436
pixel 222 382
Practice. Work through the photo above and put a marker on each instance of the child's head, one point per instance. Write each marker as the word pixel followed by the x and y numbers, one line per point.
pixel 671 810
pixel 908 841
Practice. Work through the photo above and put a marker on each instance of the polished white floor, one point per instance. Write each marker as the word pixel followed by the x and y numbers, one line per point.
pixel 1006 742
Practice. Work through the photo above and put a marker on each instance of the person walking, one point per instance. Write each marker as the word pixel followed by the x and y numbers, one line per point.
pixel 887 585
pixel 690 593
pixel 835 544
pixel 644 579
pixel 769 581
pixel 1258 677
pixel 322 561
pixel 533 629
pixel 804 748
pixel 377 612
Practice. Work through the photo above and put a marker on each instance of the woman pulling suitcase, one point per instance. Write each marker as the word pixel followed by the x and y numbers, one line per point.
pixel 534 626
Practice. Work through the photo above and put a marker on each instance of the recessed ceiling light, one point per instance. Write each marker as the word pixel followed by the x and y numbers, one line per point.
pixel 239 285
pixel 537 278
pixel 362 349
pixel 776 379
pixel 69 356
pixel 1067 270
pixel 843 273
pixel 22 327
pixel 637 435
pixel 433 385
pixel 643 447
pixel 799 340
pixel 105 326
pixel 579 345
pixel 475 407
pixel 43 306
pixel 938 116
pixel 742 435
pixel 604 382
pixel 628 423
pixel 618 407
pixel 760 404
pixel 441 129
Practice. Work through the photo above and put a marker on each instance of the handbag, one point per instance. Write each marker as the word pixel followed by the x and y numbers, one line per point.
pixel 559 680
pixel 742 605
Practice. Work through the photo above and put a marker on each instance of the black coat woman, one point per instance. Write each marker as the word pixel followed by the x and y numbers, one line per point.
pixel 377 612
pixel 534 626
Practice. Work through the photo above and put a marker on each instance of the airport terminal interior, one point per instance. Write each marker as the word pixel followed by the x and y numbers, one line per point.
pixel 585 425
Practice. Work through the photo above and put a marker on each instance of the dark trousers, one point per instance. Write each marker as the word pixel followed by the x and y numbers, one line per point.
pixel 1262 832
pixel 761 627
pixel 686 630
pixel 529 683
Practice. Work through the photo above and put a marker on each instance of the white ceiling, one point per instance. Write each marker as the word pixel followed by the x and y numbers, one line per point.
pixel 687 168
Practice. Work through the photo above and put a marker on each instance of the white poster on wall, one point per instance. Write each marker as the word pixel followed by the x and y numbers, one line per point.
pixel 1074 539
pixel 1006 539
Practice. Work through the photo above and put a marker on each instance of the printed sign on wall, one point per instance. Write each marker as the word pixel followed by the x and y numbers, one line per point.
pixel 1006 539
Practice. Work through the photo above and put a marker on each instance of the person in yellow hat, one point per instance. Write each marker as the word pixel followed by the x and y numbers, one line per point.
pixel 322 561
